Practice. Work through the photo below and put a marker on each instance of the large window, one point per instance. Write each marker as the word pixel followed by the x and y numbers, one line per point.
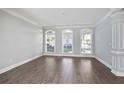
pixel 67 41
pixel 86 41
pixel 50 41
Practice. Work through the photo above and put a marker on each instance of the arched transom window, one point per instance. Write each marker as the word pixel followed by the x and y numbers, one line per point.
pixel 50 41
pixel 86 41
pixel 67 41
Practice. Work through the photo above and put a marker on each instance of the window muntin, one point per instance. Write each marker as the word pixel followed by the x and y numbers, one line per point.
pixel 67 41
pixel 50 41
pixel 86 41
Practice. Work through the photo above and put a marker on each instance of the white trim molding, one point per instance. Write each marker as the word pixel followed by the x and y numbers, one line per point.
pixel 117 13
pixel 69 26
pixel 117 50
pixel 107 15
pixel 21 17
pixel 18 64
pixel 103 62
pixel 117 73
pixel 68 55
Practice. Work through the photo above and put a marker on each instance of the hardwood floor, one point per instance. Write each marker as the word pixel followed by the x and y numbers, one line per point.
pixel 61 70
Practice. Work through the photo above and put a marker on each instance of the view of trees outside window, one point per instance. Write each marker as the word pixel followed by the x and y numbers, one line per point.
pixel 86 42
pixel 67 41
pixel 50 41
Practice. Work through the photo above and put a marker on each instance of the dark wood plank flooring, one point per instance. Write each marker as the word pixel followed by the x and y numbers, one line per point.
pixel 61 70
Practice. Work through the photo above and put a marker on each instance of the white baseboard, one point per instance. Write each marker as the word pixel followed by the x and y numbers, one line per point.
pixel 68 55
pixel 18 64
pixel 103 62
pixel 29 60
pixel 117 73
pixel 45 54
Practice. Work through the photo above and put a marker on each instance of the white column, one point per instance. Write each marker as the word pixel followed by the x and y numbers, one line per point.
pixel 118 43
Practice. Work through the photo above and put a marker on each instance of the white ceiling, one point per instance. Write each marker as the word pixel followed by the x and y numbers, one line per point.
pixel 63 16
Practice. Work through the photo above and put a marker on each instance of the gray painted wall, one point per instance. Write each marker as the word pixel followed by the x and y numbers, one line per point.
pixel 76 39
pixel 103 36
pixel 19 40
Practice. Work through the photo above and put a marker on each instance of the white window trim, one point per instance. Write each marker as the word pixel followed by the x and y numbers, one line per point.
pixel 45 42
pixel 72 42
pixel 81 32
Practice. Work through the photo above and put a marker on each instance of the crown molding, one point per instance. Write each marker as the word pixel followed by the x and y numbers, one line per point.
pixel 61 26
pixel 112 10
pixel 20 17
pixel 69 26
pixel 117 13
